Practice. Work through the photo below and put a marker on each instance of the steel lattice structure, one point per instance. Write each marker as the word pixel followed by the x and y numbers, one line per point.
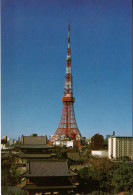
pixel 67 126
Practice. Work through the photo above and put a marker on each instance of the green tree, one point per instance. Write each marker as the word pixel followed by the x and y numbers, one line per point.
pixel 105 145
pixel 126 158
pixel 123 177
pixel 61 152
pixel 97 141
pixel 9 173
pixel 102 163
pixel 5 173
pixel 97 174
pixel 84 173
pixel 95 178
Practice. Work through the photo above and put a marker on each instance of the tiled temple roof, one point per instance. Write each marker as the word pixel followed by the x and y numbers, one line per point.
pixel 22 155
pixel 32 146
pixel 35 187
pixel 48 169
pixel 34 139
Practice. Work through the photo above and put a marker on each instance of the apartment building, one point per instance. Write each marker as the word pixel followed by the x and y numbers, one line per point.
pixel 120 146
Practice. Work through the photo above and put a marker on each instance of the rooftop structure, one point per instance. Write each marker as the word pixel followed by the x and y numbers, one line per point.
pixel 34 139
pixel 48 169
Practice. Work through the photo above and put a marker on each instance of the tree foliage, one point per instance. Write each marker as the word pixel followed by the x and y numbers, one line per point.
pixel 61 152
pixel 94 178
pixel 107 176
pixel 101 163
pixel 123 177
pixel 97 141
pixel 9 173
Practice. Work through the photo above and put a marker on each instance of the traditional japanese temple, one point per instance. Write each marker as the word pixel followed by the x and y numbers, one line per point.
pixel 35 147
pixel 48 177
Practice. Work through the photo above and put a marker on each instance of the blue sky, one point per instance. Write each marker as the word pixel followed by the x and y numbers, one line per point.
pixel 34 45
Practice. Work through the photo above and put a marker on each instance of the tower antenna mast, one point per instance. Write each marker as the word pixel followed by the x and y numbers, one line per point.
pixel 67 128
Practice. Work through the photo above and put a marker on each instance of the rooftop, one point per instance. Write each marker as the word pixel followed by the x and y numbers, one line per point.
pixel 131 137
pixel 35 187
pixel 34 139
pixel 36 146
pixel 48 169
pixel 21 155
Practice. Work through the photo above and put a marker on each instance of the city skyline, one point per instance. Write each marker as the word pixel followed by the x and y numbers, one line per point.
pixel 34 44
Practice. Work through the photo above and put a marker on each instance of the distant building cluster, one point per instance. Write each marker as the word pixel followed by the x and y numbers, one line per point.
pixel 118 146
pixel 39 161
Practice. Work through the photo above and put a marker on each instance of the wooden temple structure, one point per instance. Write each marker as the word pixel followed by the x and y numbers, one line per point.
pixel 34 147
pixel 48 177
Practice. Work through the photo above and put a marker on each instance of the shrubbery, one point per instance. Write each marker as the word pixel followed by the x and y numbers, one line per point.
pixel 107 176
pixel 9 174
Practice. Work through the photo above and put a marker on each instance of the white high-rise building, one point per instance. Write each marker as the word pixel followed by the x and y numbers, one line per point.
pixel 120 146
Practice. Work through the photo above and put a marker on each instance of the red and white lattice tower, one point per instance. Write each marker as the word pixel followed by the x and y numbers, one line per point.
pixel 67 128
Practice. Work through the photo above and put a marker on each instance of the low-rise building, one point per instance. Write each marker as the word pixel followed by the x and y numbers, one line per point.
pixel 99 153
pixel 3 147
pixel 65 143
pixel 119 147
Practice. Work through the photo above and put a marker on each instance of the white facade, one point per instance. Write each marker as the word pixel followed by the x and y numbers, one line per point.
pixel 120 146
pixel 65 143
pixel 3 147
pixel 99 153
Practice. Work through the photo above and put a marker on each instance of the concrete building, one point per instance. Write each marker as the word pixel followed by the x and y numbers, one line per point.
pixel 65 143
pixel 3 147
pixel 107 136
pixel 99 153
pixel 120 146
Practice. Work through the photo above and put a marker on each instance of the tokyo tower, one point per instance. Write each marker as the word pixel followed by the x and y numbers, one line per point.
pixel 67 128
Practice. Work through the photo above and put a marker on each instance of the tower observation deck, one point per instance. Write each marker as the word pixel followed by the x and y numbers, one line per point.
pixel 67 128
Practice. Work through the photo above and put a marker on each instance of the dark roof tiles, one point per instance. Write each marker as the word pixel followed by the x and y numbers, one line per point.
pixel 36 146
pixel 35 187
pixel 48 168
pixel 22 155
pixel 34 139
